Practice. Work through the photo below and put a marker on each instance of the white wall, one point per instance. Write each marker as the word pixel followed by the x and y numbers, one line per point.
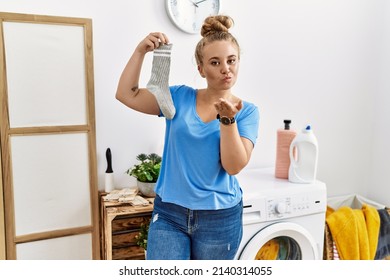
pixel 314 61
pixel 378 184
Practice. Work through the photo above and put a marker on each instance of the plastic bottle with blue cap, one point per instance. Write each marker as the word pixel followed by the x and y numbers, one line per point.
pixel 303 162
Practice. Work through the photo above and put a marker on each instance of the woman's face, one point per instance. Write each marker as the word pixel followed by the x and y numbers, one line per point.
pixel 220 64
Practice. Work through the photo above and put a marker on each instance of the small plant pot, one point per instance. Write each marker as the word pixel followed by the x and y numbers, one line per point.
pixel 146 189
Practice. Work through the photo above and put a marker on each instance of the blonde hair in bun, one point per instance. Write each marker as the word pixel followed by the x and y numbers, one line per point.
pixel 215 28
pixel 215 24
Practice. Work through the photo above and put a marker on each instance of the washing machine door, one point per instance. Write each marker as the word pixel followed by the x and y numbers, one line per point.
pixel 281 241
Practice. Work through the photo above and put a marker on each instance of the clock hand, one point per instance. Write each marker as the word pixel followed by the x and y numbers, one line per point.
pixel 196 3
pixel 193 3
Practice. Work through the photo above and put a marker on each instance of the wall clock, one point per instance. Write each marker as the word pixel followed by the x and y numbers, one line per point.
pixel 188 15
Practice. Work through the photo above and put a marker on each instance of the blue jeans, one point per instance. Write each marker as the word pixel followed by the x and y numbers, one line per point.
pixel 178 233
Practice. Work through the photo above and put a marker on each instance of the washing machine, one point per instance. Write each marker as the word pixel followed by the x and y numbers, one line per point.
pixel 281 220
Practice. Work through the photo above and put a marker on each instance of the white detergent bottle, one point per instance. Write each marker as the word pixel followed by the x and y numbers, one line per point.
pixel 303 162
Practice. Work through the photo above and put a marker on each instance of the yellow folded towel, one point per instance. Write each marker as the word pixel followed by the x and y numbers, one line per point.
pixel 355 231
pixel 373 223
pixel 329 211
pixel 342 226
pixel 363 243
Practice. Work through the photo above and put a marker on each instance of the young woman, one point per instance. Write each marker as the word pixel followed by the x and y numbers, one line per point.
pixel 209 138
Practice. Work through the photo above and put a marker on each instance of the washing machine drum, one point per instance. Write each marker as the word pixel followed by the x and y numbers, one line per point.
pixel 281 241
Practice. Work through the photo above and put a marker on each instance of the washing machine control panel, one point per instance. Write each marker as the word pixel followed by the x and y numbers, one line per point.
pixel 282 207
pixel 277 208
pixel 291 206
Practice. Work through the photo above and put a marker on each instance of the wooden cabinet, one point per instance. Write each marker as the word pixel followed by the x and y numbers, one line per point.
pixel 120 223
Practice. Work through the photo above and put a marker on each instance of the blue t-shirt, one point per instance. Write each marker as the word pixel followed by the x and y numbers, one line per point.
pixel 191 172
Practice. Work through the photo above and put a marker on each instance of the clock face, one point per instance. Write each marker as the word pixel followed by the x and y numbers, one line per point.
pixel 188 15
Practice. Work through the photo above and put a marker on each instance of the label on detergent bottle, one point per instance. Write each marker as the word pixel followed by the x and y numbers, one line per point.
pixel 284 138
pixel 303 163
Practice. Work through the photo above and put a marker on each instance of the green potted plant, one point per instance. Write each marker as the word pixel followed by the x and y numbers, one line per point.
pixel 142 237
pixel 146 172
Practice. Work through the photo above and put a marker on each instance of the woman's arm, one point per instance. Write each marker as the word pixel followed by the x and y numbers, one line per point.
pixel 236 151
pixel 128 91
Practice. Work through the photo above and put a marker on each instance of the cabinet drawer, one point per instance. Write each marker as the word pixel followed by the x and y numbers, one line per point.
pixel 129 222
pixel 124 238
pixel 128 253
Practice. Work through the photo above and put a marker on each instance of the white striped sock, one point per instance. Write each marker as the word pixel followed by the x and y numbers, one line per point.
pixel 159 80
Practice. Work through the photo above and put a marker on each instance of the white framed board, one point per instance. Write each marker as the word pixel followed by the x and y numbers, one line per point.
pixel 48 145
